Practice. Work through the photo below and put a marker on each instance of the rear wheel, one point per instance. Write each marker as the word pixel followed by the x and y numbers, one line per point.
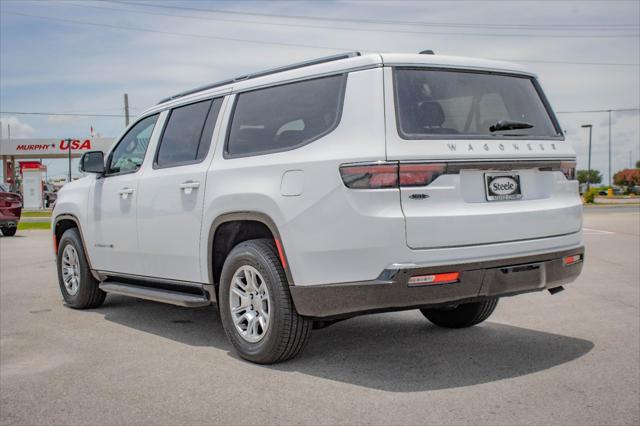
pixel 255 305
pixel 78 286
pixel 463 315
pixel 9 231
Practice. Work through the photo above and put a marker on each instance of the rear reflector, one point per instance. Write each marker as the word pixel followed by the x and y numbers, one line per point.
pixel 374 176
pixel 420 174
pixel 445 278
pixel 283 259
pixel 571 260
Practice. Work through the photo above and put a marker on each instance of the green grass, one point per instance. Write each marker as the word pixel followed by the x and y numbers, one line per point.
pixel 36 214
pixel 33 225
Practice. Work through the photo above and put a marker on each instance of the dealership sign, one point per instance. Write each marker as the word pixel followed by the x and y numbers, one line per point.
pixel 53 147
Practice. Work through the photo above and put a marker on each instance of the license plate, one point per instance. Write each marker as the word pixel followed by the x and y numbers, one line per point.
pixel 502 186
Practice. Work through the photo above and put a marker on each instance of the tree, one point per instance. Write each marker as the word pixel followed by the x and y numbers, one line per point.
pixel 596 177
pixel 627 177
pixel 638 164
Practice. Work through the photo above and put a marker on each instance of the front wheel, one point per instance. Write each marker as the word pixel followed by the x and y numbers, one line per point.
pixel 9 231
pixel 255 305
pixel 463 315
pixel 78 286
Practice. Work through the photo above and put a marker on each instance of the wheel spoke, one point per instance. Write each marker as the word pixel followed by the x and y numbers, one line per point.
pixel 70 265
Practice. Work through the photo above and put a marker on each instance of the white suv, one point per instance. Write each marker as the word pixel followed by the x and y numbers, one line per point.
pixel 347 185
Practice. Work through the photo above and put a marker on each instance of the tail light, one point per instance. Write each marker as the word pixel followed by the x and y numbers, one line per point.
pixel 373 176
pixel 390 175
pixel 569 169
pixel 420 174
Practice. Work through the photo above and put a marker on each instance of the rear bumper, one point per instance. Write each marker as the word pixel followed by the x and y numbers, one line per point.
pixel 390 291
pixel 10 223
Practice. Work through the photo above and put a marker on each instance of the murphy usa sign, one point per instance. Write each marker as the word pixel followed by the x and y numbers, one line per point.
pixel 43 148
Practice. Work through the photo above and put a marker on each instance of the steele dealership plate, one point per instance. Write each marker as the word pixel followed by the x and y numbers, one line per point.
pixel 502 186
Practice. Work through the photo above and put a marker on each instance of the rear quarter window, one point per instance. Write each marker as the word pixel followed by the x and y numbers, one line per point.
pixel 285 117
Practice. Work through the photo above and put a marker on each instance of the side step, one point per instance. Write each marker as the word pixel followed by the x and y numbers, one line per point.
pixel 155 294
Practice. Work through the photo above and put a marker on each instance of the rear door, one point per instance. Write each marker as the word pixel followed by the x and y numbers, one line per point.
pixel 172 192
pixel 465 178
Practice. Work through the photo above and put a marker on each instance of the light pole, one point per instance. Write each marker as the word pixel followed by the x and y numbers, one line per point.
pixel 69 151
pixel 589 126
pixel 610 175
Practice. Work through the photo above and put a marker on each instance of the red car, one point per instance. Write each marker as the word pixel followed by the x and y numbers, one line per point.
pixel 10 209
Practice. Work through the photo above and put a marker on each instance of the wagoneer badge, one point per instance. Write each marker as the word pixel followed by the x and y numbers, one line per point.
pixel 501 186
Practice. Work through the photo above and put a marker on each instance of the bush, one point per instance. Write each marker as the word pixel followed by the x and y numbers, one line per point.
pixel 591 194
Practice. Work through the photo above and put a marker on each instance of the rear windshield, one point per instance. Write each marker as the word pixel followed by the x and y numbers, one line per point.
pixel 443 104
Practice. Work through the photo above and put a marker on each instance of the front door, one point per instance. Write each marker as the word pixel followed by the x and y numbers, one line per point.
pixel 112 210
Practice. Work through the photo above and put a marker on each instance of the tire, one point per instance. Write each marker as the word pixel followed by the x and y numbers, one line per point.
pixel 286 333
pixel 464 315
pixel 86 294
pixel 9 231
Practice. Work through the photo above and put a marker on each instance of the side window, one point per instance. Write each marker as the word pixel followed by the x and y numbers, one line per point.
pixel 187 134
pixel 128 155
pixel 285 117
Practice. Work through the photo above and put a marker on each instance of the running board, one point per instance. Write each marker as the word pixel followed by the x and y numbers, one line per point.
pixel 155 294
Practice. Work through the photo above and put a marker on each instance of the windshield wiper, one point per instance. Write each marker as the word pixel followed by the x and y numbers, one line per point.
pixel 509 125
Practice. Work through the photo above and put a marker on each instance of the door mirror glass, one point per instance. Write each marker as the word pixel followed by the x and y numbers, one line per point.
pixel 92 162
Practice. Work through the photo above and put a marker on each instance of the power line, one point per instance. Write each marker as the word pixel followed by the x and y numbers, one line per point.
pixel 146 30
pixel 72 114
pixel 342 49
pixel 598 110
pixel 64 114
pixel 379 21
pixel 306 25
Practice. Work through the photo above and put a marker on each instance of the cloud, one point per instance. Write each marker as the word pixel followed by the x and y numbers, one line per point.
pixel 61 119
pixel 18 128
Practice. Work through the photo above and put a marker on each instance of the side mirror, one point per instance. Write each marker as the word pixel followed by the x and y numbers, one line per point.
pixel 92 162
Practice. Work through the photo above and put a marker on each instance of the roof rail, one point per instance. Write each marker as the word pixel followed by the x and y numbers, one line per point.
pixel 263 73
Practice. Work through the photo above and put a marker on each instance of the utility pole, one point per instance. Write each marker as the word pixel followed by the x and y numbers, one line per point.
pixel 589 126
pixel 69 151
pixel 126 110
pixel 610 175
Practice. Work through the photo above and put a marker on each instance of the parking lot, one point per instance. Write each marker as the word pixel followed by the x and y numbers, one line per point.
pixel 572 358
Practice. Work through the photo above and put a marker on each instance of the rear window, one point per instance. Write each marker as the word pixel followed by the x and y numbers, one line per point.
pixel 437 104
pixel 285 117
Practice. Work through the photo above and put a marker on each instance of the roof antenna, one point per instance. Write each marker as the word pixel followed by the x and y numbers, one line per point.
pixel 427 52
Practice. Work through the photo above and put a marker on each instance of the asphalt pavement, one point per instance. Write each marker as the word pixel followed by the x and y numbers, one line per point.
pixel 571 358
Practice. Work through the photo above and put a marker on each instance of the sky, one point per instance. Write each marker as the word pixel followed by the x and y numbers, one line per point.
pixel 69 56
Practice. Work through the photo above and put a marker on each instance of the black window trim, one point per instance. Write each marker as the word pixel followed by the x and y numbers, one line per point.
pixel 534 81
pixel 343 86
pixel 110 156
pixel 155 164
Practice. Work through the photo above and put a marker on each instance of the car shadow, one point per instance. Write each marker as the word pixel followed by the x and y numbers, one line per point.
pixel 396 352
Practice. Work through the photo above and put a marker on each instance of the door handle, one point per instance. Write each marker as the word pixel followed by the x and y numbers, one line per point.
pixel 125 192
pixel 189 186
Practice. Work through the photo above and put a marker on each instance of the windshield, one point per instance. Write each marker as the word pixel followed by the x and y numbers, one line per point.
pixel 452 104
pixel 3 188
